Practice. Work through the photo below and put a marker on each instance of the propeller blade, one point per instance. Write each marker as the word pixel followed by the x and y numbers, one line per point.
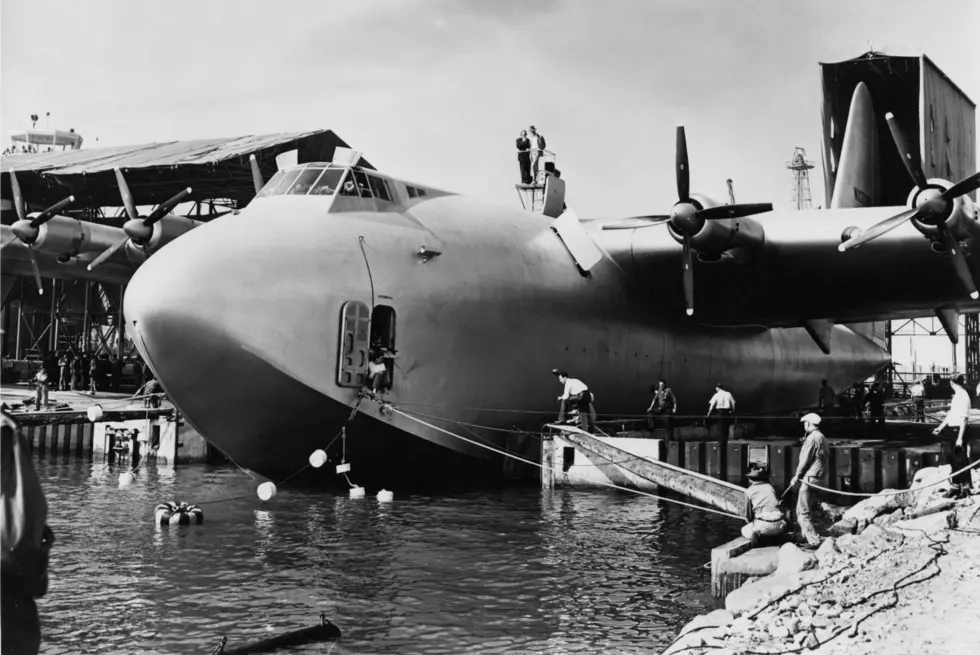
pixel 963 187
pixel 8 241
pixel 636 222
pixel 688 277
pixel 876 231
pixel 164 208
pixel 734 211
pixel 51 212
pixel 127 197
pixel 36 271
pixel 912 163
pixel 256 174
pixel 18 197
pixel 106 254
pixel 959 262
pixel 683 174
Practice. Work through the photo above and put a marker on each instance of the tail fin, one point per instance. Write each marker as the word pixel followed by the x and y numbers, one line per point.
pixel 857 175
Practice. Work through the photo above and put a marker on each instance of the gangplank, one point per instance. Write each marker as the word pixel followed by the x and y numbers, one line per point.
pixel 716 493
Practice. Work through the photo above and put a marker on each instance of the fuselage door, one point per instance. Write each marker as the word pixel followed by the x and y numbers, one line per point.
pixel 355 340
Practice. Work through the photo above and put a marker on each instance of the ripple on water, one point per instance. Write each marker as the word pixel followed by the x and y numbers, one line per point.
pixel 482 572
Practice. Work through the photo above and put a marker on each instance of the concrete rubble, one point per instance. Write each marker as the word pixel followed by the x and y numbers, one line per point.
pixel 862 591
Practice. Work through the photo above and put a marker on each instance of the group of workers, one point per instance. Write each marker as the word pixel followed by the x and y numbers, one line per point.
pixel 72 371
pixel 529 151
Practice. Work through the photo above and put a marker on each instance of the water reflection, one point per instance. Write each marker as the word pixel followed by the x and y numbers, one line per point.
pixel 561 571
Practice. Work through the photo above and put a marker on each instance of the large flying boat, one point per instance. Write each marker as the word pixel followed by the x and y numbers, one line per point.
pixel 259 324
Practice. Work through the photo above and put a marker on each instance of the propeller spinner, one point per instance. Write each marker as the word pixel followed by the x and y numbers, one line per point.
pixel 28 229
pixel 933 206
pixel 138 229
pixel 688 216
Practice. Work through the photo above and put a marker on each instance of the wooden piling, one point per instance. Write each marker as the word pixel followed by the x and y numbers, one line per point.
pixel 694 456
pixel 737 462
pixel 547 462
pixel 892 469
pixel 715 460
pixel 869 470
pixel 675 453
pixel 779 466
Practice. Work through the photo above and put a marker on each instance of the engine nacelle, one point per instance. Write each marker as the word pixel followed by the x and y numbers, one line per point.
pixel 715 240
pixel 70 237
pixel 167 229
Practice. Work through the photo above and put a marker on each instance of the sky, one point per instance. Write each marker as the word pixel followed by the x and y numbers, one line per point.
pixel 436 91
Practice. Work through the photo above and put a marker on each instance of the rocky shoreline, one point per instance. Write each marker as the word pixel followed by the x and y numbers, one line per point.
pixel 902 576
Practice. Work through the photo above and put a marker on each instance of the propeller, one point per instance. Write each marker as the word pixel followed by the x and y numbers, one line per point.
pixel 933 207
pixel 138 229
pixel 256 174
pixel 28 229
pixel 687 216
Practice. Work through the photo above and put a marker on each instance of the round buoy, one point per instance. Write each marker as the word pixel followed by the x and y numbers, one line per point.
pixel 95 413
pixel 318 459
pixel 126 479
pixel 385 496
pixel 172 513
pixel 357 492
pixel 266 490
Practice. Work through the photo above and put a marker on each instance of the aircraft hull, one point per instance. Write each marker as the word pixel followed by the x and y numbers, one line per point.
pixel 242 325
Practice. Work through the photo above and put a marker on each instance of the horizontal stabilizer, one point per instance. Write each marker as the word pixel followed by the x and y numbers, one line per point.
pixel 820 330
pixel 949 318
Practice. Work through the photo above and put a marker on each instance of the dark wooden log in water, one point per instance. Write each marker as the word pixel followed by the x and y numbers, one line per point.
pixel 326 631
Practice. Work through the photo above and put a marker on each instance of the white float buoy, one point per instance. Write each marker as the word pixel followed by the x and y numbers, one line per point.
pixel 318 459
pixel 357 492
pixel 95 413
pixel 386 496
pixel 126 479
pixel 266 490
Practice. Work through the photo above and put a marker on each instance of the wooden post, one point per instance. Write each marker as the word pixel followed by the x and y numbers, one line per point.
pixel 722 554
pixel 121 329
pixel 20 319
pixel 547 461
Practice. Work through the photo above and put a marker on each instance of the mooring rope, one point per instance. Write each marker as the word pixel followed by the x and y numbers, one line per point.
pixel 858 494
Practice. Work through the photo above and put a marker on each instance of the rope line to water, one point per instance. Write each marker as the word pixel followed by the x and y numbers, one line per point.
pixel 858 494
pixel 551 468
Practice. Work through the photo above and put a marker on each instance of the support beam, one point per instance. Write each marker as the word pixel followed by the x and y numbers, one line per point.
pixel 949 318
pixel 821 331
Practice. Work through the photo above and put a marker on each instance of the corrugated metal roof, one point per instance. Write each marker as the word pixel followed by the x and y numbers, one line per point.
pixel 148 155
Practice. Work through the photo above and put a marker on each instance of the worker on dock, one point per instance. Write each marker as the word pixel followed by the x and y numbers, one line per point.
pixel 524 157
pixel 858 404
pixel 62 371
pixel 875 400
pixel 26 542
pixel 958 417
pixel 41 381
pixel 724 402
pixel 809 471
pixel 765 520
pixel 575 394
pixel 662 408
pixel 918 394
pixel 826 399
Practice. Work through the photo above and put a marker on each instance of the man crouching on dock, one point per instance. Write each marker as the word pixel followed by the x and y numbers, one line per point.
pixel 765 518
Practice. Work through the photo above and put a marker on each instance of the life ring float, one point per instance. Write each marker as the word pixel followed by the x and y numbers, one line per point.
pixel 172 513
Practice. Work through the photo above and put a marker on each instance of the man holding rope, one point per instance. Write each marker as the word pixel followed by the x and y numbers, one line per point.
pixel 958 417
pixel 810 470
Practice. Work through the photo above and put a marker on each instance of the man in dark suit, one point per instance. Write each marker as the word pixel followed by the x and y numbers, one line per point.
pixel 524 157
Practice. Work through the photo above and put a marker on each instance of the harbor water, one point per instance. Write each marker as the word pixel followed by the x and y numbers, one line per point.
pixel 492 571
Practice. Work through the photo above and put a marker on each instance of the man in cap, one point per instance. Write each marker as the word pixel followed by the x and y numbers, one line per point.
pixel 537 149
pixel 809 471
pixel 575 394
pixel 918 394
pixel 765 521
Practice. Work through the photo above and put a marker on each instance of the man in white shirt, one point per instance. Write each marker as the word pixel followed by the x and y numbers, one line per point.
pixel 959 417
pixel 537 148
pixel 918 393
pixel 724 402
pixel 575 394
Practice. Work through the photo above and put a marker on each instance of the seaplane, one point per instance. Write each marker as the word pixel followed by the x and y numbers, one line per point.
pixel 260 325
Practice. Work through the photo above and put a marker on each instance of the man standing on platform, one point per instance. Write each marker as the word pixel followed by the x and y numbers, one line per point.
pixel 575 394
pixel 662 408
pixel 724 402
pixel 809 471
pixel 524 157
pixel 918 393
pixel 41 394
pixel 537 149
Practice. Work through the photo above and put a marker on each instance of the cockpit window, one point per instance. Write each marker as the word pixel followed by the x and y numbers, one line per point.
pixel 287 181
pixel 328 182
pixel 362 184
pixel 271 185
pixel 304 181
pixel 379 187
